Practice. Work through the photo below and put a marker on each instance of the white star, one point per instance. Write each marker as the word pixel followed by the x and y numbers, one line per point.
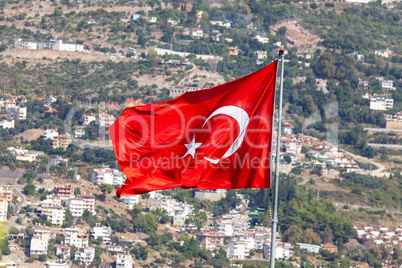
pixel 191 147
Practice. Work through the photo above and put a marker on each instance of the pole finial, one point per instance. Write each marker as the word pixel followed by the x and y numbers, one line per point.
pixel 281 52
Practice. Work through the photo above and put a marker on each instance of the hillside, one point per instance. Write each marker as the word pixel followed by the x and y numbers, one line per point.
pixel 68 69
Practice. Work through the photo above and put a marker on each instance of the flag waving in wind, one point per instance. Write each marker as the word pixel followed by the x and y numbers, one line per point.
pixel 217 138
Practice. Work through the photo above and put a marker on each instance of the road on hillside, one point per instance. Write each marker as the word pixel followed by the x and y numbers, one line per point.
pixel 15 215
pixel 381 130
pixel 364 207
pixel 380 167
pixel 390 146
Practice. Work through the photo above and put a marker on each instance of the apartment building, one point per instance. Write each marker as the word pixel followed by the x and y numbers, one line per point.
pixel 85 255
pixel 130 200
pixel 63 250
pixel 38 246
pixel 229 224
pixel 237 249
pixel 50 134
pixel 89 202
pixel 3 210
pixel 124 261
pixel 104 119
pixel 6 192
pixel 282 251
pixel 381 102
pixel 102 231
pixel 74 238
pixel 76 206
pixel 16 113
pixel 43 233
pixel 61 141
pixel 88 119
pixel 108 176
pixel 55 215
pixel 210 240
pixel 64 191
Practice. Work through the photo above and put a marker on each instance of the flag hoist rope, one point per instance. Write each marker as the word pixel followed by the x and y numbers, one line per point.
pixel 276 183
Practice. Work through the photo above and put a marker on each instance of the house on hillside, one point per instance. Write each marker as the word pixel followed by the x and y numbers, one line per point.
pixel 233 51
pixel 196 33
pixel 330 247
pixel 135 17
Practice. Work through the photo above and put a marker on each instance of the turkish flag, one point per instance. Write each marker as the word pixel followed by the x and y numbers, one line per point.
pixel 216 138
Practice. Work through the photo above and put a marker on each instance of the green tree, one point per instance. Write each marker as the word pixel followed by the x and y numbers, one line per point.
pixel 310 237
pixel 293 234
pixel 29 189
pixel 327 236
pixel 308 105
pixel 106 189
pixel 287 159
pixel 325 67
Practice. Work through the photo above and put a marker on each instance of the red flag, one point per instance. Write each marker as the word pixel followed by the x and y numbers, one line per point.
pixel 217 138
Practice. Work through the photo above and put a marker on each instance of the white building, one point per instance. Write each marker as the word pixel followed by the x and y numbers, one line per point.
pixel 115 248
pixel 16 113
pixel 261 55
pixel 63 250
pixel 179 219
pixel 50 134
pixel 74 238
pixel 104 119
pixel 5 123
pixel 177 91
pixel 282 251
pixel 102 231
pixel 237 249
pixel 76 206
pixel 130 200
pixel 43 233
pixel 78 133
pixel 56 264
pixel 38 246
pixel 85 255
pixel 309 248
pixel 61 45
pixel 381 103
pixel 89 202
pixel 196 33
pixel 232 223
pixel 261 39
pixel 88 119
pixel 124 261
pixel 163 204
pixel 221 23
pixel 108 176
pixel 387 84
pixel 53 214
pixel 3 210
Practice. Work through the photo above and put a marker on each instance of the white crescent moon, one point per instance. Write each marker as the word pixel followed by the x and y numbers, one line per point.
pixel 241 118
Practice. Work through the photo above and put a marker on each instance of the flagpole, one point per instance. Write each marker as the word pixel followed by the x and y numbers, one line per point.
pixel 276 184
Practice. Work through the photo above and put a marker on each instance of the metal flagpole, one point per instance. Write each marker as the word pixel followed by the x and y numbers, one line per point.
pixel 276 184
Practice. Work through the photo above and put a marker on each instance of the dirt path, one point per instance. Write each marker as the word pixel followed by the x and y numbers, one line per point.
pixel 380 171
